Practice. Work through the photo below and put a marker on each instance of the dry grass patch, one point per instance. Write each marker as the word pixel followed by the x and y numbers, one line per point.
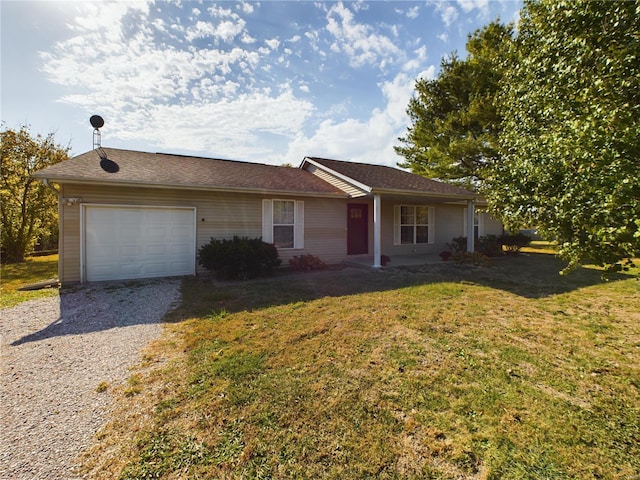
pixel 441 372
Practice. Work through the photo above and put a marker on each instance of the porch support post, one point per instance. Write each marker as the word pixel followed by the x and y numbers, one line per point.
pixel 471 226
pixel 377 228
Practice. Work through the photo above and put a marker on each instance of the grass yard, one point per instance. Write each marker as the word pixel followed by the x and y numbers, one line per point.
pixel 16 275
pixel 447 372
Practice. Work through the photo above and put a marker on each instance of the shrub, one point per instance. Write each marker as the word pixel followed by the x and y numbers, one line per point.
pixel 306 263
pixel 489 245
pixel 458 245
pixel 239 258
pixel 472 258
pixel 514 242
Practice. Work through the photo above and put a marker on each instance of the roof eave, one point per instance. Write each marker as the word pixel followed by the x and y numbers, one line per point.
pixel 395 191
pixel 260 191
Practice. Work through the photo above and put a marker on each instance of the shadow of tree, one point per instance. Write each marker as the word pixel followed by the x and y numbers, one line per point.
pixel 530 276
pixel 100 307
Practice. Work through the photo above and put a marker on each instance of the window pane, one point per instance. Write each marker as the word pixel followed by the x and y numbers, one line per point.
pixel 422 215
pixel 422 234
pixel 406 215
pixel 283 236
pixel 283 212
pixel 406 234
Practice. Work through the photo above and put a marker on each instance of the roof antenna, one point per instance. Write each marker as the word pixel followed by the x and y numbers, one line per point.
pixel 107 165
pixel 97 123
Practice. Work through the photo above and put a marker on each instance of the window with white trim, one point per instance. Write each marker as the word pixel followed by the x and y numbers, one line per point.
pixel 283 223
pixel 413 224
pixel 478 224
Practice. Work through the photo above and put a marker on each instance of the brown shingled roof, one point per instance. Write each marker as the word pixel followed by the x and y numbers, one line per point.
pixel 381 178
pixel 159 169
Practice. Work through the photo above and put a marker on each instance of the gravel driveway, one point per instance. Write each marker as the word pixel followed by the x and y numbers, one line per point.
pixel 54 352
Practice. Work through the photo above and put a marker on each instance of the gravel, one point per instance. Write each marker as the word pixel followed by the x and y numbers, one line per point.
pixel 54 352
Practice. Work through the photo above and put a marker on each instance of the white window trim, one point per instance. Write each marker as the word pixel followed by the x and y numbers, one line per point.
pixel 298 225
pixel 397 219
pixel 480 216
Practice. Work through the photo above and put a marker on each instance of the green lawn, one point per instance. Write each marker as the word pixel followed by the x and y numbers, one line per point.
pixel 510 371
pixel 16 275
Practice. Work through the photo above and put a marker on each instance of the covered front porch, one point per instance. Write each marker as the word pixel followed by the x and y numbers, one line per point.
pixel 375 257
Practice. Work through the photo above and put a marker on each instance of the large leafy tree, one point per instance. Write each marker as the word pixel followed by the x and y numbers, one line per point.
pixel 454 120
pixel 571 129
pixel 28 207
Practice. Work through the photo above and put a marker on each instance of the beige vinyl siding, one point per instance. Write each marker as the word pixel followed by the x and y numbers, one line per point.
pixel 218 215
pixel 351 190
pixel 492 226
pixel 446 226
pixel 69 262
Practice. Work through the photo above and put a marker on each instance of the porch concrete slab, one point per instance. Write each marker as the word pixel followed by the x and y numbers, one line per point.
pixel 366 261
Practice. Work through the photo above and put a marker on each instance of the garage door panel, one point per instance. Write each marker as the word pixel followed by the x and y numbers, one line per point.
pixel 138 242
pixel 160 250
pixel 179 249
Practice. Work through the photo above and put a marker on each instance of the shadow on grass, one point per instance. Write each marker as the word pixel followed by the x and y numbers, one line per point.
pixel 101 307
pixel 532 276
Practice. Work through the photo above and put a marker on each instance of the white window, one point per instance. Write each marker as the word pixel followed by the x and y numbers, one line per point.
pixel 478 224
pixel 413 224
pixel 283 223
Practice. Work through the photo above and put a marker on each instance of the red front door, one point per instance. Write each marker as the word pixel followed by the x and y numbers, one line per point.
pixel 357 229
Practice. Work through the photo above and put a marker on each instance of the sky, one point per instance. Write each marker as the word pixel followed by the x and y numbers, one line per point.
pixel 268 82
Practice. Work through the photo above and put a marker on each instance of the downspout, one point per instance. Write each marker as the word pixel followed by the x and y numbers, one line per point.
pixel 60 226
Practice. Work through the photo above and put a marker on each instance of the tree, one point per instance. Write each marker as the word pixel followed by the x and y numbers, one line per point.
pixel 455 123
pixel 571 123
pixel 28 208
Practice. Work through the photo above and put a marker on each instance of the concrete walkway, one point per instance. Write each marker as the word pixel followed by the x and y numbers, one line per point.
pixel 366 261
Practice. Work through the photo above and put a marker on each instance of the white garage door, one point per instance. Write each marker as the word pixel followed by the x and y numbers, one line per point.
pixel 138 242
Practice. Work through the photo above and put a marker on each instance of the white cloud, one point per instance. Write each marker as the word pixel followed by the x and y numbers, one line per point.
pixel 448 12
pixel 417 60
pixel 200 30
pixel 273 43
pixel 358 41
pixel 364 141
pixel 227 30
pixel 413 12
pixel 228 127
pixel 247 7
pixel 470 5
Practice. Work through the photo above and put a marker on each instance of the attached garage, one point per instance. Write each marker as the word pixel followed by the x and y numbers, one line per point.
pixel 129 242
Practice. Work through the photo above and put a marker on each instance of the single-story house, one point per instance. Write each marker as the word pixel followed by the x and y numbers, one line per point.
pixel 128 214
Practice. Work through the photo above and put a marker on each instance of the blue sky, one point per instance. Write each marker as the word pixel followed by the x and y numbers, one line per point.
pixel 268 82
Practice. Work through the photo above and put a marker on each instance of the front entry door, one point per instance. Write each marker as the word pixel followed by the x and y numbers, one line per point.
pixel 357 229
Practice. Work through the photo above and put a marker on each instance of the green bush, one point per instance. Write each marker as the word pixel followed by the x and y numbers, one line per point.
pixel 306 263
pixel 472 258
pixel 489 245
pixel 239 258
pixel 458 245
pixel 514 242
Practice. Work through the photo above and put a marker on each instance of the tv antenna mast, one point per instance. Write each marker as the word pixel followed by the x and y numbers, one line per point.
pixel 97 123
